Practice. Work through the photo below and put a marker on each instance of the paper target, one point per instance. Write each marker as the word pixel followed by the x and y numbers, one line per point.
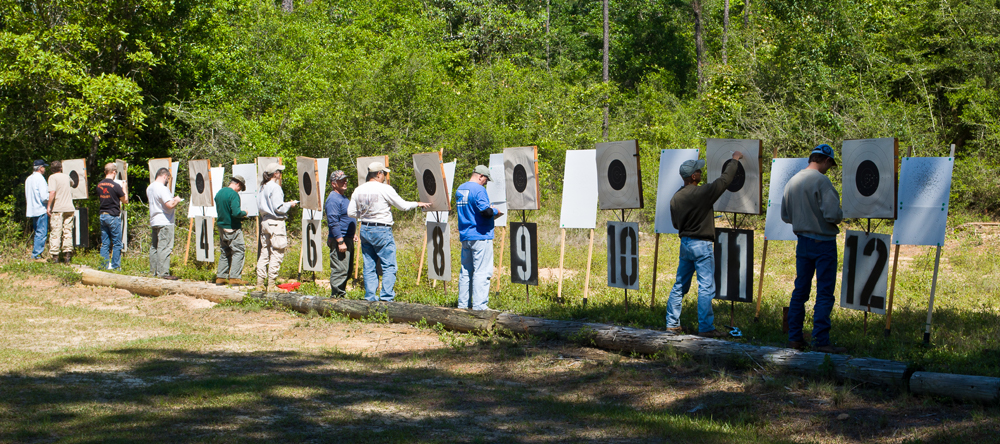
pixel 312 245
pixel 362 165
pixel 438 251
pixel 122 167
pixel 579 194
pixel 623 255
pixel 211 211
pixel 782 171
pixel 734 265
pixel 156 164
pixel 200 173
pixel 743 195
pixel 925 187
pixel 619 178
pixel 309 193
pixel 869 178
pixel 523 253
pixel 262 163
pixel 81 228
pixel 866 270
pixel 428 168
pixel 449 178
pixel 248 197
pixel 496 188
pixel 668 183
pixel 76 169
pixel 204 239
pixel 521 177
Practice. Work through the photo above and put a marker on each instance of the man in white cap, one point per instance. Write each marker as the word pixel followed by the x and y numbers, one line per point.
pixel 475 230
pixel 273 235
pixel 370 206
pixel 692 214
pixel 36 194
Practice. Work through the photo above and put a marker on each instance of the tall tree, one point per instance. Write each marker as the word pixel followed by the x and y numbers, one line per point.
pixel 607 37
pixel 725 31
pixel 699 43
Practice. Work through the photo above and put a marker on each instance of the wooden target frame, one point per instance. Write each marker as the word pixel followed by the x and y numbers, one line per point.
pixel 428 170
pixel 310 197
pixel 76 169
pixel 520 166
pixel 619 175
pixel 200 175
pixel 870 178
pixel 745 193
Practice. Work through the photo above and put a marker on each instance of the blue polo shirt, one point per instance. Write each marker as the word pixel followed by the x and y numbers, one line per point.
pixel 470 201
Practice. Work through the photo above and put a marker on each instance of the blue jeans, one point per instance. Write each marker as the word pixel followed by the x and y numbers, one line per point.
pixel 477 269
pixel 819 258
pixel 111 239
pixel 377 244
pixel 41 224
pixel 695 255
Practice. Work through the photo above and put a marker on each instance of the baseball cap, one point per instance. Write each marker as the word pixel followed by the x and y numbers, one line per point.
pixel 825 150
pixel 241 180
pixel 273 167
pixel 690 166
pixel 376 167
pixel 482 170
pixel 337 176
pixel 40 163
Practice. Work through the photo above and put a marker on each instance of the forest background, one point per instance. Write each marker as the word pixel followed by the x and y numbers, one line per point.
pixel 237 79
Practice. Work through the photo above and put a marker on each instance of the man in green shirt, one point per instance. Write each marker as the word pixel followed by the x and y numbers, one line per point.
pixel 231 245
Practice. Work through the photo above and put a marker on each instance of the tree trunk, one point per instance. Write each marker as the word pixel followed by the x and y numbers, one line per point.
pixel 287 6
pixel 159 287
pixel 977 388
pixel 746 14
pixel 725 31
pixel 699 45
pixel 547 36
pixel 607 44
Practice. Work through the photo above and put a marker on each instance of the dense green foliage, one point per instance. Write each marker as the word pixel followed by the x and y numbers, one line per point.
pixel 236 79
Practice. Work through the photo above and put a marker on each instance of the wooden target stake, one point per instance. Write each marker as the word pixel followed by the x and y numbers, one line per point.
pixel 503 246
pixel 937 263
pixel 656 260
pixel 895 263
pixel 562 255
pixel 187 248
pixel 586 280
pixel 423 252
pixel 763 260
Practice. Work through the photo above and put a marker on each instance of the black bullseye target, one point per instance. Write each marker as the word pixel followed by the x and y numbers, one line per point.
pixel 308 184
pixel 520 178
pixel 743 194
pixel 619 183
pixel 430 184
pixel 867 178
pixel 617 176
pixel 741 176
pixel 74 179
pixel 199 183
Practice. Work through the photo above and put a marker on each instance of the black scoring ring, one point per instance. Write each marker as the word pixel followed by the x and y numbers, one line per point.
pixel 199 183
pixel 307 184
pixel 520 178
pixel 741 176
pixel 74 179
pixel 617 176
pixel 430 185
pixel 867 178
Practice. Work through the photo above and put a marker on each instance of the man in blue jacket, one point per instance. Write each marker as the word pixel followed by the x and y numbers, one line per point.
pixel 341 234
pixel 475 230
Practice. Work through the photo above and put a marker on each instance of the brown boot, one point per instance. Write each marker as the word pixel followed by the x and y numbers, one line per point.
pixel 239 282
pixel 221 281
pixel 68 258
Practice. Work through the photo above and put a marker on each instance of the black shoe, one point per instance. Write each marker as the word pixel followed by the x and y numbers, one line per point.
pixel 798 345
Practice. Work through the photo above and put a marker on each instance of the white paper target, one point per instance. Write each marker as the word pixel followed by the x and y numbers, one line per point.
pixel 438 251
pixel 76 169
pixel 520 166
pixel 362 165
pixel 428 169
pixel 200 175
pixel 924 191
pixel 323 165
pixel 743 195
pixel 262 163
pixel 204 239
pixel 734 265
pixel 193 211
pixel 668 183
pixel 782 171
pixel 866 271
pixel 449 178
pixel 619 177
pixel 579 194
pixel 248 197
pixel 308 174
pixel 496 188
pixel 312 245
pixel 869 178
pixel 623 255
pixel 156 164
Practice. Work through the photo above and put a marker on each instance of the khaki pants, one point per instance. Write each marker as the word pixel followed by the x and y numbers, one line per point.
pixel 273 243
pixel 161 247
pixel 231 260
pixel 61 229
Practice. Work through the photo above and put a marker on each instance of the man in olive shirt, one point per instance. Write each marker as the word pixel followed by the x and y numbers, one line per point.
pixel 61 213
pixel 692 215
pixel 231 244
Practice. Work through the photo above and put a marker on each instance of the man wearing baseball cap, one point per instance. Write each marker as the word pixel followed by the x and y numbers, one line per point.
pixel 232 246
pixel 812 205
pixel 475 230
pixel 370 206
pixel 692 214
pixel 341 229
pixel 36 194
pixel 273 233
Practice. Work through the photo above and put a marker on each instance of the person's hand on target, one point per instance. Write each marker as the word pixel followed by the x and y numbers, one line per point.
pixel 737 155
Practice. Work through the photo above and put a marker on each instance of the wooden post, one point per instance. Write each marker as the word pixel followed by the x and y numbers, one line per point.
pixel 562 256
pixel 586 279
pixel 187 249
pixel 930 305
pixel 760 284
pixel 656 261
pixel 892 291
pixel 503 246
pixel 423 252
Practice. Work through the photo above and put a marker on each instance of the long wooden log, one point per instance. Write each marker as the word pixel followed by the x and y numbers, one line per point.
pixel 159 287
pixel 976 388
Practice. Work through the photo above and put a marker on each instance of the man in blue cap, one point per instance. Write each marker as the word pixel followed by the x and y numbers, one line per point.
pixel 692 213
pixel 475 230
pixel 36 194
pixel 812 205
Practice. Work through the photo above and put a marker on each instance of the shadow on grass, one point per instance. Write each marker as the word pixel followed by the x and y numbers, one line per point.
pixel 142 395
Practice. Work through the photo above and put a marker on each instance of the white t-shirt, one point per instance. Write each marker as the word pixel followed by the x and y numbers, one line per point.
pixel 159 215
pixel 370 203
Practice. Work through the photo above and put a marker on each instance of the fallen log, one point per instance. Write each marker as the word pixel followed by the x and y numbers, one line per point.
pixel 160 287
pixel 975 388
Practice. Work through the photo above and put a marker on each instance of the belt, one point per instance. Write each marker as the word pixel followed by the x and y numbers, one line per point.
pixel 374 224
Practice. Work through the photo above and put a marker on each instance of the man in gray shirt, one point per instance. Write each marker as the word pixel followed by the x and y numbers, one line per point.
pixel 812 206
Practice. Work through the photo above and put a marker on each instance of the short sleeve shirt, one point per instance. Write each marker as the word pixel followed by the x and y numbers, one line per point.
pixel 470 201
pixel 63 202
pixel 110 194
pixel 159 215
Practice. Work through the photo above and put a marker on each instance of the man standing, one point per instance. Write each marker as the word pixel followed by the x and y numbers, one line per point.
pixel 232 248
pixel 692 215
pixel 370 206
pixel 273 234
pixel 111 196
pixel 60 211
pixel 162 204
pixel 341 234
pixel 36 194
pixel 475 230
pixel 812 206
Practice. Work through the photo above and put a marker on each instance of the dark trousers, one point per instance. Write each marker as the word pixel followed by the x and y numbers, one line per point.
pixel 819 258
